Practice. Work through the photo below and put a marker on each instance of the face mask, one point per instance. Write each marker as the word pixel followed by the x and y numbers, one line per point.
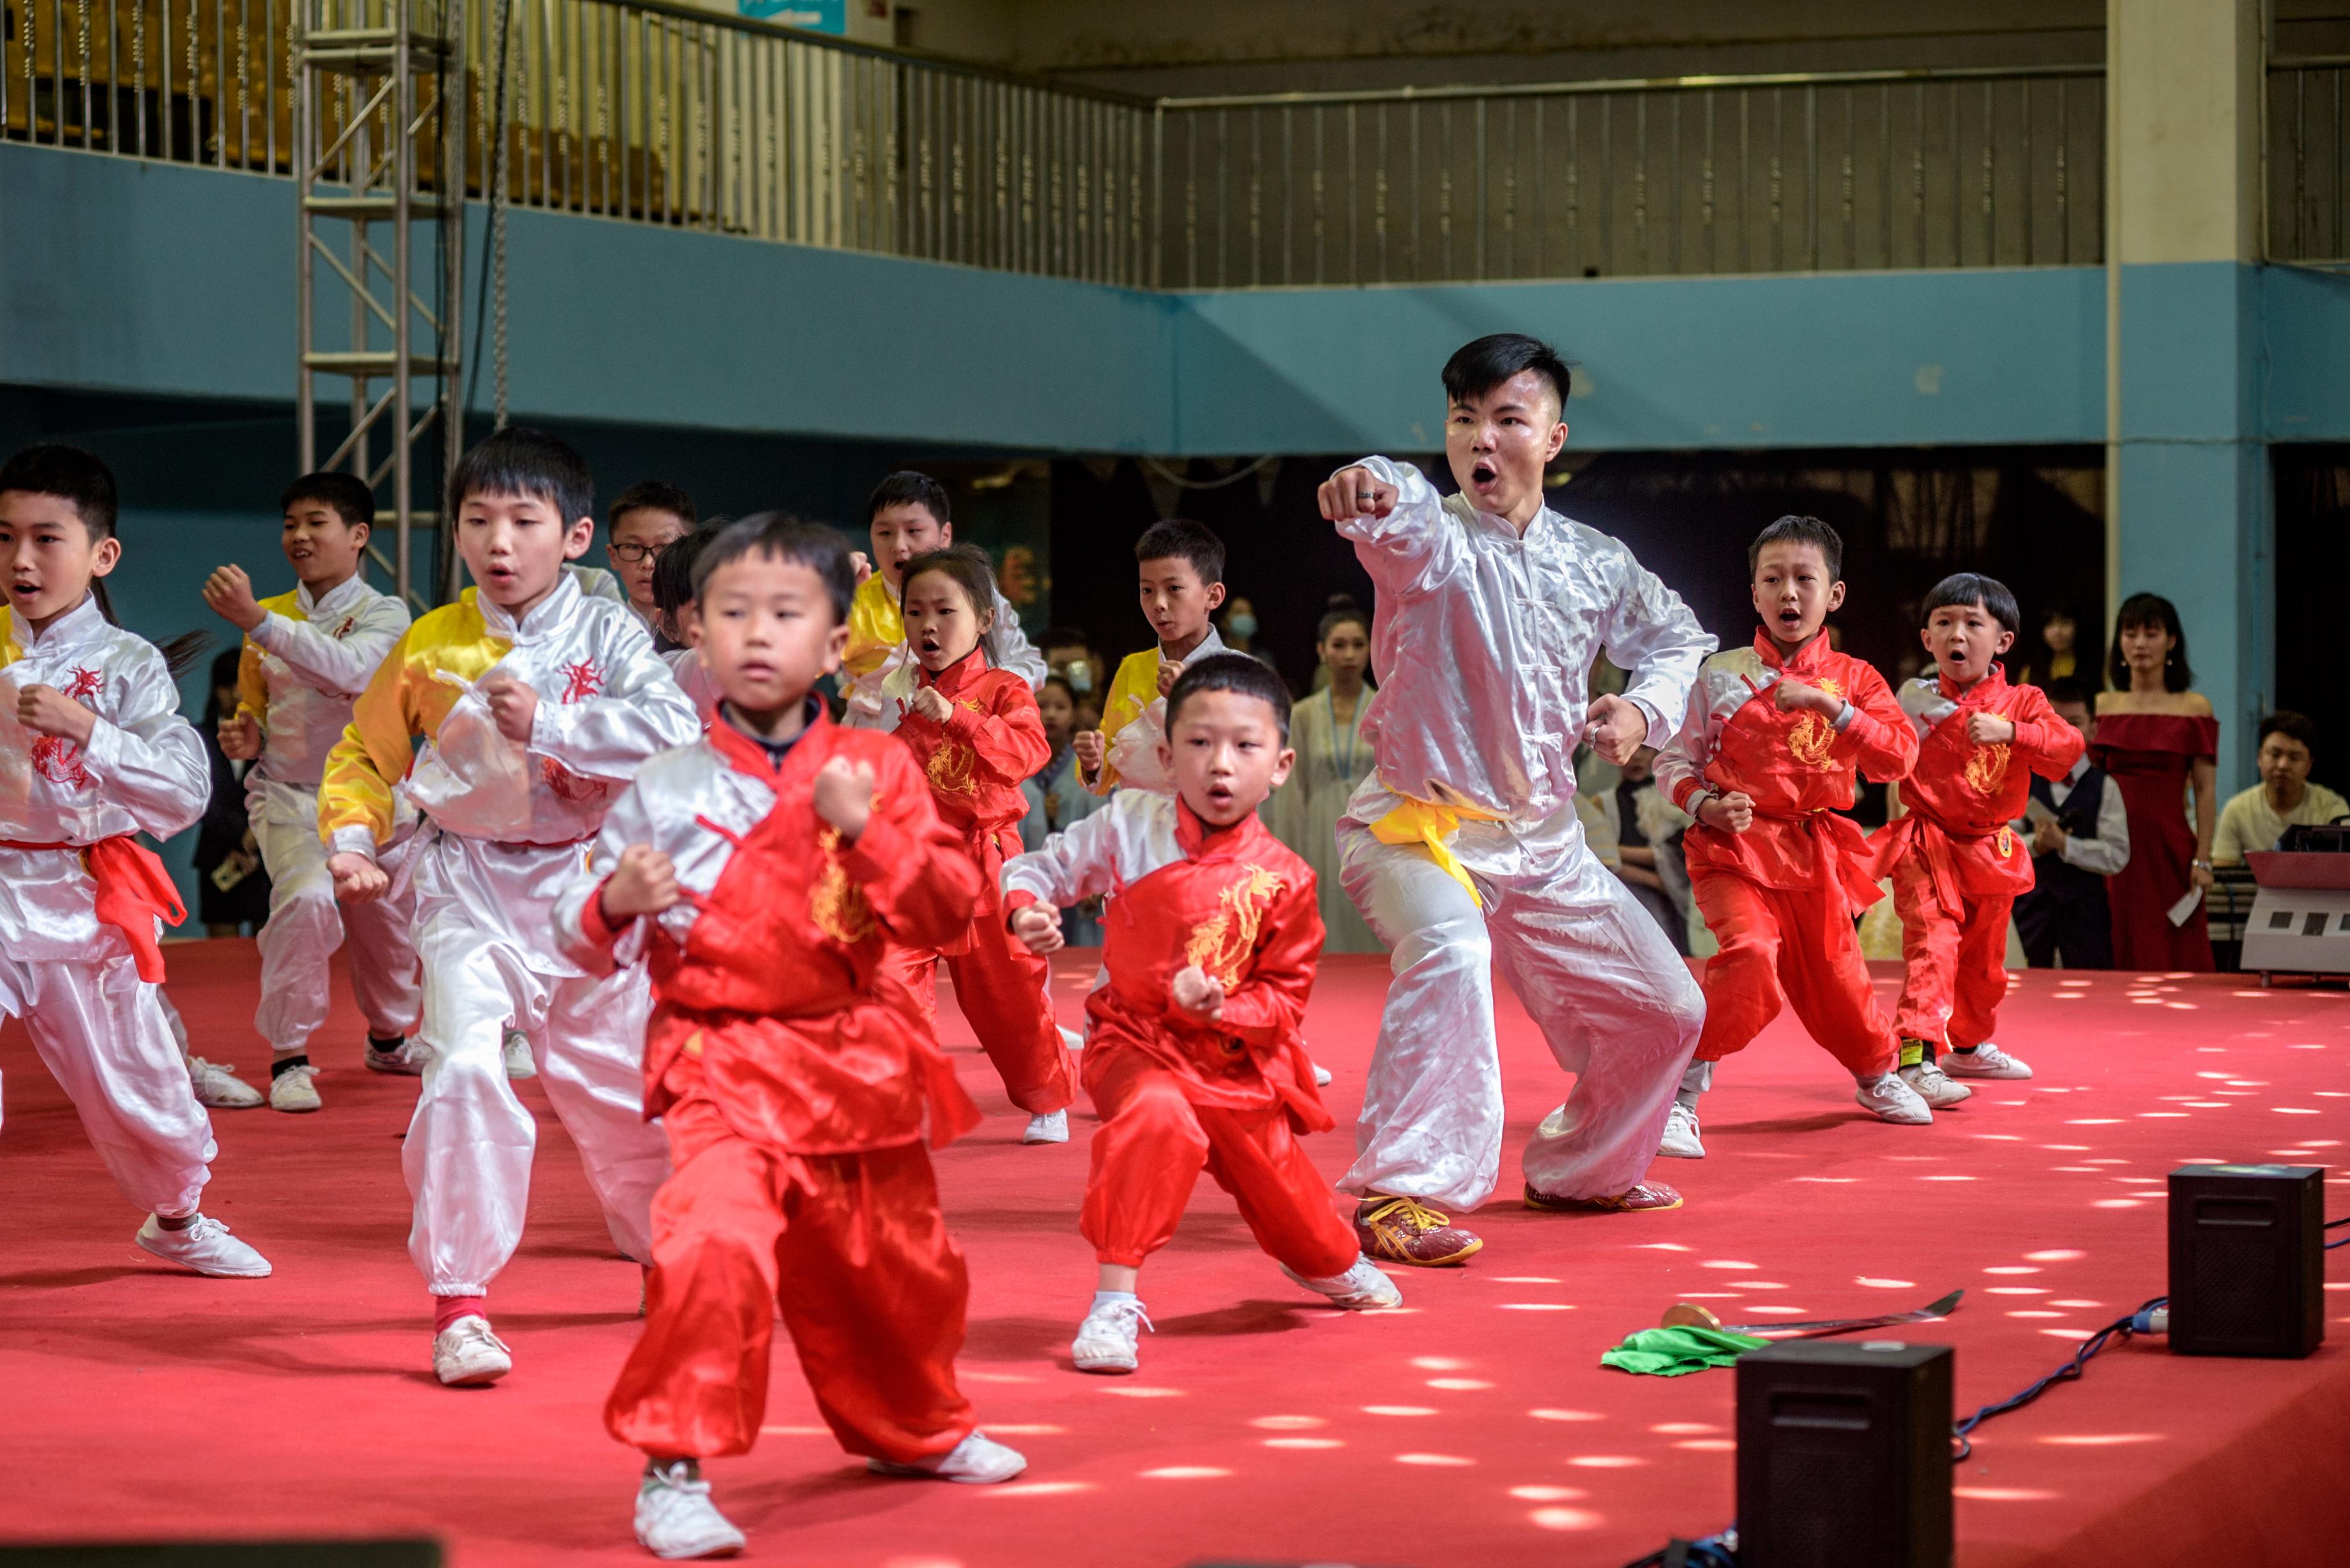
pixel 1243 625
pixel 1081 678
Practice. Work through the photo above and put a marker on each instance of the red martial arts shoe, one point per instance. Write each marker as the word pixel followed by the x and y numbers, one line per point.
pixel 1648 1196
pixel 1405 1231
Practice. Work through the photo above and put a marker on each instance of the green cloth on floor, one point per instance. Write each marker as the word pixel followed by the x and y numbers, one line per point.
pixel 1672 1351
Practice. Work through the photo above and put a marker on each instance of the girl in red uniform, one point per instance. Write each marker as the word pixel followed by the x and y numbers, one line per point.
pixel 1956 862
pixel 977 735
pixel 1196 1060
pixel 1777 734
pixel 763 872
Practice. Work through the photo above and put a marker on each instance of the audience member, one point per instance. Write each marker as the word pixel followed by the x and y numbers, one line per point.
pixel 2057 654
pixel 1070 654
pixel 2159 739
pixel 1240 629
pixel 232 888
pixel 1327 729
pixel 2258 817
pixel 1646 838
pixel 2079 831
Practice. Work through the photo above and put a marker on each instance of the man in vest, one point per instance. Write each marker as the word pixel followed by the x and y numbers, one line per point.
pixel 2079 837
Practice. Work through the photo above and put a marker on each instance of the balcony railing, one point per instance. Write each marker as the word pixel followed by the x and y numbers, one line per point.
pixel 2308 182
pixel 648 111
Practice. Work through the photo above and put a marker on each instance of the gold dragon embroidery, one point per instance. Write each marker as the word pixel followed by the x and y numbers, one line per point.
pixel 837 905
pixel 1813 737
pixel 1221 945
pixel 954 768
pixel 1987 768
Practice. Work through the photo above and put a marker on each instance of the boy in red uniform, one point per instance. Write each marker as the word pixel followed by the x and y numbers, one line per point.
pixel 1776 734
pixel 764 871
pixel 977 734
pixel 1956 861
pixel 1196 1059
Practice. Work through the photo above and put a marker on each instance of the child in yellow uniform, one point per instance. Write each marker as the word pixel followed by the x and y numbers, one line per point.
pixel 1183 583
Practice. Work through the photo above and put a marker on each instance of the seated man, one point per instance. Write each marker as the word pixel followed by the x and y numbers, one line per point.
pixel 2257 818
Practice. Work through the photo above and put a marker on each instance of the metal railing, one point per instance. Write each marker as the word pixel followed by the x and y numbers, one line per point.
pixel 648 111
pixel 1822 172
pixel 2308 194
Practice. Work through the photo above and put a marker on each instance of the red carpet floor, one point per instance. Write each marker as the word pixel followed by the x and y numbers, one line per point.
pixel 1474 1426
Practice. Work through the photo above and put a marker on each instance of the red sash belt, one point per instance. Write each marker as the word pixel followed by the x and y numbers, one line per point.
pixel 1920 834
pixel 1847 858
pixel 987 847
pixel 133 892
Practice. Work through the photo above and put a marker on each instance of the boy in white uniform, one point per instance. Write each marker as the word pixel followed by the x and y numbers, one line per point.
pixel 308 656
pixel 1463 846
pixel 92 751
pixel 538 704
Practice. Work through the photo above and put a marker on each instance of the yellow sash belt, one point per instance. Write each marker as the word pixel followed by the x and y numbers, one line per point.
pixel 1425 823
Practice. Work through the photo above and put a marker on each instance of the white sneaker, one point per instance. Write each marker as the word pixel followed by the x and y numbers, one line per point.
pixel 1889 1098
pixel 1321 1077
pixel 676 1518
pixel 205 1246
pixel 220 1088
pixel 1071 1040
pixel 1361 1287
pixel 1985 1061
pixel 1934 1086
pixel 292 1089
pixel 518 1062
pixel 1680 1140
pixel 1053 1126
pixel 407 1058
pixel 978 1460
pixel 1106 1341
pixel 466 1354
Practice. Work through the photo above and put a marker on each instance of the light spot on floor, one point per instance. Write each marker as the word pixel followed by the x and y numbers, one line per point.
pixel 1869 1283
pixel 1440 1461
pixel 1547 1493
pixel 1399 1410
pixel 1606 1462
pixel 2002 1493
pixel 1566 1518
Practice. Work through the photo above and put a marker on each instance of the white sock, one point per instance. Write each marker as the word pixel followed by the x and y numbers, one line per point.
pixel 1874 1080
pixel 1111 1298
pixel 1696 1079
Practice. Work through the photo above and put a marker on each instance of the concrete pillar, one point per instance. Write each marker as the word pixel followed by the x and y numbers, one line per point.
pixel 2187 483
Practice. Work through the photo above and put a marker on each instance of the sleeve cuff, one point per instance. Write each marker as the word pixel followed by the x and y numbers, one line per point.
pixel 103 750
pixel 274 629
pixel 1843 720
pixel 1016 900
pixel 352 839
pixel 593 923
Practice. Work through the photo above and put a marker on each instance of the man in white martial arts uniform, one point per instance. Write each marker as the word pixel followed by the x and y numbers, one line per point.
pixel 308 656
pixel 906 516
pixel 1463 847
pixel 538 704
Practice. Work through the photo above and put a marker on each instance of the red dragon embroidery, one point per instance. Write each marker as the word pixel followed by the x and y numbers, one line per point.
pixel 57 759
pixel 350 624
pixel 580 681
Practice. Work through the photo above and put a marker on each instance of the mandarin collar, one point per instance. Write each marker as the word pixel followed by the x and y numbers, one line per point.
pixel 1541 528
pixel 1809 657
pixel 1993 682
pixel 746 754
pixel 333 599
pixel 80 624
pixel 1198 841
pixel 542 617
pixel 1211 643
pixel 955 676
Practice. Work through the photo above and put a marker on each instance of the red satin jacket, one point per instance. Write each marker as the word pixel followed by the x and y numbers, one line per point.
pixel 1963 798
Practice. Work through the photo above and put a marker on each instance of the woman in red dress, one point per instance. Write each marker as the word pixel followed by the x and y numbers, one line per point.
pixel 2158 739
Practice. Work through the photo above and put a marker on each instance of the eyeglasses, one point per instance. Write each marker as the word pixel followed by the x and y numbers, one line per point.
pixel 636 555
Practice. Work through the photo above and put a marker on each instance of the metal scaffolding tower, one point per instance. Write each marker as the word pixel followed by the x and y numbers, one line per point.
pixel 379 139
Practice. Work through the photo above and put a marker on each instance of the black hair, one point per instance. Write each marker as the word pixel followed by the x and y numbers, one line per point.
pixel 780 537
pixel 1063 683
pixel 2065 688
pixel 82 480
pixel 345 495
pixel 1064 636
pixel 1179 538
pixel 1972 588
pixel 673 569
pixel 1230 672
pixel 2149 609
pixel 967 566
pixel 2293 726
pixel 226 666
pixel 1793 530
pixel 1476 368
pixel 651 495
pixel 1341 615
pixel 910 487
pixel 519 460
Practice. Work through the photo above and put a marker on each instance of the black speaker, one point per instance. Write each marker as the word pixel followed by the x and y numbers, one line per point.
pixel 1844 1455
pixel 2247 1260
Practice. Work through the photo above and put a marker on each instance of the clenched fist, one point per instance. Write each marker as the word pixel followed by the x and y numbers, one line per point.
pixel 844 796
pixel 1091 750
pixel 1990 729
pixel 356 877
pixel 1616 728
pixel 46 711
pixel 513 705
pixel 1731 813
pixel 1198 992
pixel 230 593
pixel 1037 928
pixel 643 883
pixel 1356 492
pixel 240 737
pixel 1791 695
pixel 930 704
